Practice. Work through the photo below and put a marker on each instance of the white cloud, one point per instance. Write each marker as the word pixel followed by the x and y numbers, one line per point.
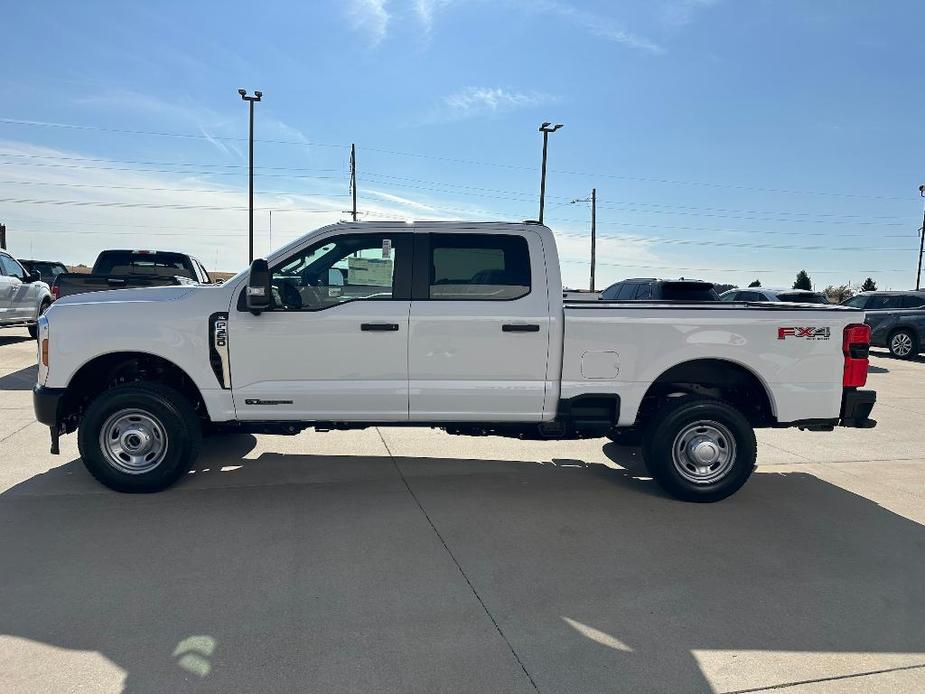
pixel 678 13
pixel 593 23
pixel 475 101
pixel 370 17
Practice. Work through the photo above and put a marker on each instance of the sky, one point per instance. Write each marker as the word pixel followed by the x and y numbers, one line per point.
pixel 729 140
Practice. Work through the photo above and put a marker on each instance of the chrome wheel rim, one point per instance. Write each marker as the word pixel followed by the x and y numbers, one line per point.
pixel 901 344
pixel 703 452
pixel 133 441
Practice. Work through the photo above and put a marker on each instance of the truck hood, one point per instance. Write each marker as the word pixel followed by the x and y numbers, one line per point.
pixel 142 295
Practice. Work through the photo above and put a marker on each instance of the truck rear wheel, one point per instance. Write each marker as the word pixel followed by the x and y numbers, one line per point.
pixel 139 437
pixel 699 449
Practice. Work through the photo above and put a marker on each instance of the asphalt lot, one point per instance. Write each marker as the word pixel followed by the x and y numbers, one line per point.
pixel 408 560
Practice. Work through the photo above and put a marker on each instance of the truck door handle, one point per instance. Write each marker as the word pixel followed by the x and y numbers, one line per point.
pixel 520 328
pixel 379 327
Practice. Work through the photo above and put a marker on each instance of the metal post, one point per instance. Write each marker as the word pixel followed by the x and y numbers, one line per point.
pixel 918 273
pixel 593 233
pixel 545 129
pixel 3 236
pixel 353 178
pixel 250 187
pixel 250 171
pixel 543 175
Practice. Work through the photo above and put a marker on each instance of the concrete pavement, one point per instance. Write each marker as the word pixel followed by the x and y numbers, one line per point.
pixel 407 560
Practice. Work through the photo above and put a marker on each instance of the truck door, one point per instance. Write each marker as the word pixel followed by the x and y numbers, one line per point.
pixel 479 328
pixel 334 347
pixel 15 294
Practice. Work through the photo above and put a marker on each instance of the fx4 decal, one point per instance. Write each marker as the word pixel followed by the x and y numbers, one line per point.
pixel 810 333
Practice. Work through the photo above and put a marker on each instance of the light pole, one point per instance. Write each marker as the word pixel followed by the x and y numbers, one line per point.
pixel 545 128
pixel 250 172
pixel 918 274
pixel 593 201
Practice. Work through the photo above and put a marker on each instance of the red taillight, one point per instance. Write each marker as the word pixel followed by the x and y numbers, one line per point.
pixel 856 346
pixel 55 292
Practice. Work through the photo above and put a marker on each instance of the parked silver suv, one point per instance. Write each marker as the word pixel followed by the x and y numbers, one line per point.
pixel 23 296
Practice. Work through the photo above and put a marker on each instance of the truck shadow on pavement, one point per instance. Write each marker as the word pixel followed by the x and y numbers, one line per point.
pixel 321 573
pixel 23 379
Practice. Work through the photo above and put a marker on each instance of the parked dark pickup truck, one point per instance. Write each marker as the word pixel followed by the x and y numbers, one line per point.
pixel 120 269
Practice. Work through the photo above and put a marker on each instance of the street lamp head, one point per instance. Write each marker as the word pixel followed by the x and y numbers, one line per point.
pixel 258 95
pixel 545 127
pixel 242 92
pixel 556 127
pixel 922 191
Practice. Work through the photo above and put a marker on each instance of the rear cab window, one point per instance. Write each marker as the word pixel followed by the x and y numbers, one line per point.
pixel 478 267
pixel 154 264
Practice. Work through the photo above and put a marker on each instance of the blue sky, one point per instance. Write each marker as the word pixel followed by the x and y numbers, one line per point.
pixel 728 139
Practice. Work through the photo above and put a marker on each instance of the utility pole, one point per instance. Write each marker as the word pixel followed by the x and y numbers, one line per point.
pixel 353 178
pixel 593 201
pixel 250 171
pixel 545 128
pixel 593 233
pixel 271 230
pixel 918 274
pixel 3 236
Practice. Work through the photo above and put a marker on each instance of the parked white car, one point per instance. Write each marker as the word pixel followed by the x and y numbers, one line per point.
pixel 792 296
pixel 23 297
pixel 452 324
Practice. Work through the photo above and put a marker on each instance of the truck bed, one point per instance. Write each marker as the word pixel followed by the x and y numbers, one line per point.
pixel 795 350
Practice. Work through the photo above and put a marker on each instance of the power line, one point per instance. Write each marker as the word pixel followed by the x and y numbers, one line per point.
pixel 146 205
pixel 473 162
pixel 182 171
pixel 170 190
pixel 58 157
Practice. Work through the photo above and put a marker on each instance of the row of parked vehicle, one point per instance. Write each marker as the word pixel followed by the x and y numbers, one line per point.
pixel 897 318
pixel 28 287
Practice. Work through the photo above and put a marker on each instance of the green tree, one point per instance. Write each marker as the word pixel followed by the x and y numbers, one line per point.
pixel 869 285
pixel 803 281
pixel 756 283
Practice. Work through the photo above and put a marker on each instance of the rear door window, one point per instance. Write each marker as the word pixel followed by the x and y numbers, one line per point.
pixel 643 291
pixel 478 267
pixel 803 298
pixel 913 301
pixel 857 301
pixel 886 301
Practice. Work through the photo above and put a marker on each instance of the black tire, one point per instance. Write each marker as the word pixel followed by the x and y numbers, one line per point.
pixel 34 329
pixel 719 428
pixel 625 436
pixel 903 344
pixel 158 410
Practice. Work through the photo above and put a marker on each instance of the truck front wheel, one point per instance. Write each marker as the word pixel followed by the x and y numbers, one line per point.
pixel 139 437
pixel 699 449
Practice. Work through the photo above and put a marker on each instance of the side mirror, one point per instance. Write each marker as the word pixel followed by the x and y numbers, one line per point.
pixel 259 293
pixel 34 276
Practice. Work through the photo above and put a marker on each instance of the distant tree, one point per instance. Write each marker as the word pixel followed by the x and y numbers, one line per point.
pixel 840 294
pixel 756 283
pixel 869 285
pixel 803 281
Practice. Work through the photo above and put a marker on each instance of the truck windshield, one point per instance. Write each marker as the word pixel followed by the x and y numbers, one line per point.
pixel 150 264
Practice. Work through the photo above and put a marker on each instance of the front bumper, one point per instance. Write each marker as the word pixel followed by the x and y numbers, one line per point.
pixel 47 405
pixel 855 408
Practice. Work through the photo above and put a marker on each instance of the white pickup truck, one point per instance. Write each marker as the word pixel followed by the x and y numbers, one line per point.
pixel 448 324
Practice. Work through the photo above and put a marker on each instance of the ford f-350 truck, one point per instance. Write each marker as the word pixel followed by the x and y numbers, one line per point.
pixel 449 324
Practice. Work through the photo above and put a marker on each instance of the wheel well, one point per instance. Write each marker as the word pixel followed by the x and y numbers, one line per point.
pixel 110 370
pixel 716 378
